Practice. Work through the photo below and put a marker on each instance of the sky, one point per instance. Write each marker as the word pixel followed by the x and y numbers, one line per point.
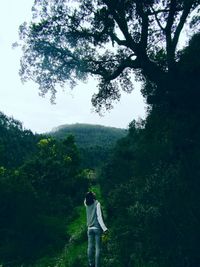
pixel 22 101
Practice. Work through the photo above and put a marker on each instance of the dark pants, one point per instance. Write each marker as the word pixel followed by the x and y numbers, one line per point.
pixel 94 247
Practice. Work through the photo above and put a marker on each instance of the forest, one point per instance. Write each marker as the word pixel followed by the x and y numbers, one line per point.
pixel 149 183
pixel 94 141
pixel 39 177
pixel 43 181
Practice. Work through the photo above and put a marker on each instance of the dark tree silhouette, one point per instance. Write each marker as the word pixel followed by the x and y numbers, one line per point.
pixel 67 41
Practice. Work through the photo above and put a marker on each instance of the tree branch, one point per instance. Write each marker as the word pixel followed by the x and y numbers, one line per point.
pixel 134 64
pixel 120 20
pixel 183 18
pixel 156 17
pixel 171 42
pixel 145 25
pixel 109 76
pixel 168 34
pixel 142 61
pixel 170 19
pixel 155 12
pixel 117 40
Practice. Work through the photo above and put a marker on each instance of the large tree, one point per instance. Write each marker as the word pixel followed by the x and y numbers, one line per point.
pixel 109 39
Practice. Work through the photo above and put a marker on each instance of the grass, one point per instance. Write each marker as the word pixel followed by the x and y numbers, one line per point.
pixel 76 251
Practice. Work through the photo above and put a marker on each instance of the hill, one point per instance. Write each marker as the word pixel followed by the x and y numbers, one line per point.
pixel 94 141
pixel 87 135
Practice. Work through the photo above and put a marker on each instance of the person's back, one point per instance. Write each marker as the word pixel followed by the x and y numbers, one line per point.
pixel 95 226
pixel 92 220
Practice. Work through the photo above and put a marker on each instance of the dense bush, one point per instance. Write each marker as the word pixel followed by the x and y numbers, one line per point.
pixel 38 199
pixel 152 181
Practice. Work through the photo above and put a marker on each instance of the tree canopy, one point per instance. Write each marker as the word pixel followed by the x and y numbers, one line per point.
pixel 41 184
pixel 16 143
pixel 111 40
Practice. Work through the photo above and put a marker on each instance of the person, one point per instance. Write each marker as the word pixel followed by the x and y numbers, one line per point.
pixel 96 227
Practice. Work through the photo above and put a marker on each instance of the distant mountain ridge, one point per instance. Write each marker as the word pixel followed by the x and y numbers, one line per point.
pixel 89 135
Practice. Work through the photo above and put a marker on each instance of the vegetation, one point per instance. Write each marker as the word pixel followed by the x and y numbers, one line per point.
pixel 151 182
pixel 94 141
pixel 38 197
pixel 109 40
pixel 41 196
pixel 87 135
pixel 16 144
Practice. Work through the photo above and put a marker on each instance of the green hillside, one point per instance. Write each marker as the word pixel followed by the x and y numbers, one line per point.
pixel 94 141
pixel 87 135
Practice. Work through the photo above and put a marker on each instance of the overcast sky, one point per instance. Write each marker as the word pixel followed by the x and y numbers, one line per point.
pixel 23 102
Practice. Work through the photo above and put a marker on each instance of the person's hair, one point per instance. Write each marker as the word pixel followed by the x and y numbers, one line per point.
pixel 90 198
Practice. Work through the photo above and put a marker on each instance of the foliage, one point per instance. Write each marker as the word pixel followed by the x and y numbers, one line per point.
pixel 89 135
pixel 110 40
pixel 151 182
pixel 16 144
pixel 18 216
pixel 151 185
pixel 75 252
pixel 38 198
pixel 76 249
pixel 94 141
